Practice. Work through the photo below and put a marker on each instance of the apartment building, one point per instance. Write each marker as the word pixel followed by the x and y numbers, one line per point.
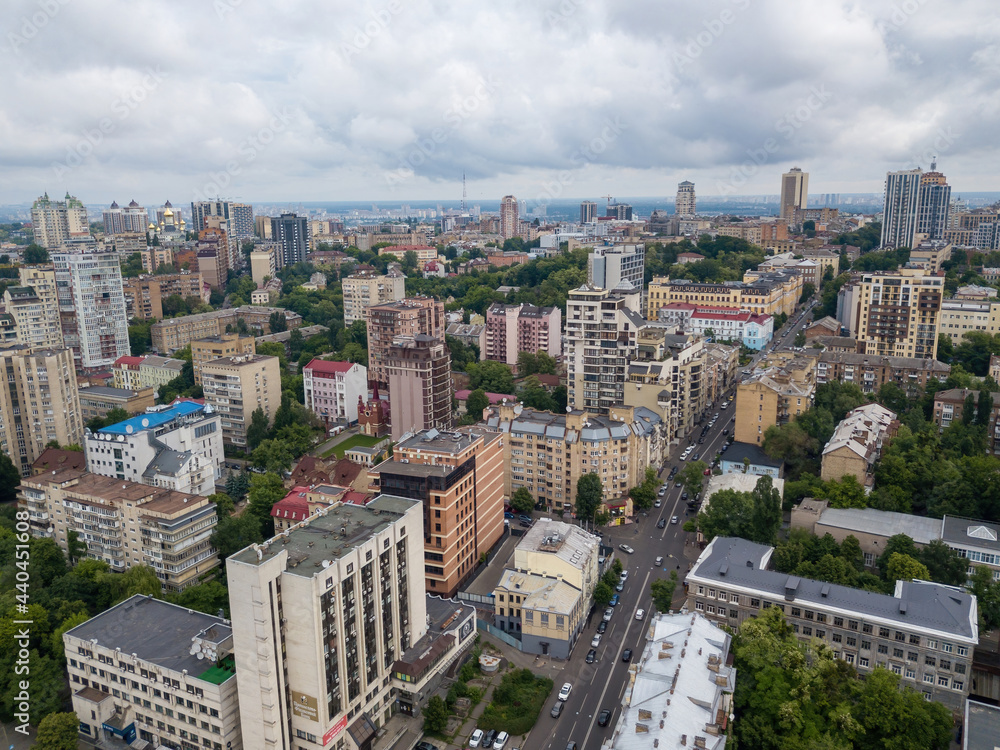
pixel 900 313
pixel 721 323
pixel 239 216
pixel 144 295
pixel 263 265
pixel 675 387
pixel 175 333
pixel 98 400
pixel 153 256
pixel 544 595
pixel 930 255
pixel 774 396
pixel 771 293
pixel 291 231
pixel 366 288
pixel 959 316
pixel 34 305
pixel 236 387
pixel 408 317
pixel 459 479
pixel 57 223
pixel 136 373
pixel 601 337
pixel 425 253
pixel 857 443
pixel 333 390
pixel 91 307
pixel 214 256
pixel 125 523
pixel 512 329
pixel 132 219
pixel 924 632
pixel 38 403
pixel 471 335
pixel 147 671
pixel 758 232
pixel 794 193
pixel 420 386
pixel 690 654
pixel 177 447
pixel 685 204
pixel 321 615
pixel 901 208
pixel 872 372
pixel 215 347
pixel 824 258
pixel 547 453
pixel 722 368
pixel 610 265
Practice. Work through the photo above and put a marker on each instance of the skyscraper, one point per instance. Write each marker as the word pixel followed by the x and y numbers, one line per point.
pixel 901 210
pixel 132 218
pixel 292 233
pixel 508 217
pixel 609 266
pixel 92 307
pixel 685 204
pixel 240 216
pixel 934 204
pixel 56 223
pixel 794 193
pixel 588 212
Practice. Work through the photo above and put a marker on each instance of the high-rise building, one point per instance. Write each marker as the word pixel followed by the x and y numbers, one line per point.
pixel 178 448
pixel 420 387
pixel 512 329
pixel 144 295
pixel 239 216
pixel 609 266
pixel 685 203
pixel 35 307
pixel 133 219
pixel 601 330
pixel 459 479
pixel 794 193
pixel 56 223
pixel 900 313
pixel 92 307
pixel 237 386
pixel 588 212
pixel 321 616
pixel 933 205
pixel 263 265
pixel 508 217
pixel 124 523
pixel 214 257
pixel 901 211
pixel 334 389
pixel 39 402
pixel 292 233
pixel 408 317
pixel 215 347
pixel 619 211
pixel 172 656
pixel 676 386
pixel 366 288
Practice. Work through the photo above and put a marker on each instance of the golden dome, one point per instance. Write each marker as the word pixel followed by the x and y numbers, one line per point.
pixel 152 225
pixel 168 212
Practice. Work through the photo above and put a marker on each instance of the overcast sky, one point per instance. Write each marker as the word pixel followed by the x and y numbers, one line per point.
pixel 307 100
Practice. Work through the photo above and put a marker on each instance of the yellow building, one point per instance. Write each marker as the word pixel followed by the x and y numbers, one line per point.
pixel 237 386
pixel 675 386
pixel 35 307
pixel 771 293
pixel 899 313
pixel 226 345
pixel 774 396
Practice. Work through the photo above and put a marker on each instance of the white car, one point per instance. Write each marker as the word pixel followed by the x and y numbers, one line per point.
pixel 564 691
pixel 640 613
pixel 476 738
pixel 624 575
pixel 501 741
pixel 595 641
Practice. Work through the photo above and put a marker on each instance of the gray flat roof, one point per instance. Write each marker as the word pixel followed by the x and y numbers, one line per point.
pixel 737 563
pixel 885 523
pixel 982 726
pixel 154 630
pixel 971 533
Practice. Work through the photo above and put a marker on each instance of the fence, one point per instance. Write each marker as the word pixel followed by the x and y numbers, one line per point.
pixel 498 633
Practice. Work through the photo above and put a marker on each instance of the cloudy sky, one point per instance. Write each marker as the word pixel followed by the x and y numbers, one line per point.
pixel 307 100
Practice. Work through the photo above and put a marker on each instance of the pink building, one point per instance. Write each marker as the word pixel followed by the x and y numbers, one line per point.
pixel 332 389
pixel 511 329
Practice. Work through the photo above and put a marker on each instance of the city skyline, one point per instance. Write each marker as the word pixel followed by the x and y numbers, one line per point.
pixel 847 93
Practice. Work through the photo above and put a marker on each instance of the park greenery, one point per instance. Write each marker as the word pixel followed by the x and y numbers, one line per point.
pixel 517 701
pixel 754 515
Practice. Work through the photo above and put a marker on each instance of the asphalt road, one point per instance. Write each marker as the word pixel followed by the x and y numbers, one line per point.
pixel 602 684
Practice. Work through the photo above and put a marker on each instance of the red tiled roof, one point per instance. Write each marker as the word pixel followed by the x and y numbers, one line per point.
pixel 124 361
pixel 60 458
pixel 325 365
pixel 357 498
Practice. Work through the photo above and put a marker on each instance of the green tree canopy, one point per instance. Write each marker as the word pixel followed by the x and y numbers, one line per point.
pixel 477 401
pixel 589 494
pixel 662 591
pixel 522 501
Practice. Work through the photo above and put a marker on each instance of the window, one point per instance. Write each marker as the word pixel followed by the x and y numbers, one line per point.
pixel 947 647
pixel 866 629
pixel 910 674
pixel 896 669
pixel 911 655
pixel 710 609
pixel 900 636
pixel 810 614
pixel 838 622
pixel 883 632
pixel 883 649
pixel 849 658
pixel 897 653
pixel 807 630
pixel 821 634
pixel 734 613
pixel 963 651
pixel 852 641
pixel 853 625
pixel 820 617
pixel 960 668
pixel 755 603
pixel 700 606
pixel 945 664
pixel 914 640
pixel 943 681
pixel 931 643
pixel 929 678
pixel 930 661
pixel 837 638
pixel 957 685
pixel 863 661
pixel 796 612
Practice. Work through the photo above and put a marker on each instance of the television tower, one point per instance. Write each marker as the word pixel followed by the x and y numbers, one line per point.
pixel 463 192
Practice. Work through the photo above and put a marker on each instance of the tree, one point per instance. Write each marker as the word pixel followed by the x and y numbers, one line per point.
pixel 662 591
pixel 258 429
pixel 800 339
pixel 987 593
pixel 892 397
pixel 224 504
pixel 984 407
pixel 589 493
pixel 692 477
pixel 644 495
pixel 10 479
pixel 277 322
pixel 944 564
pixel 234 533
pixel 897 543
pixel 477 401
pixel 846 493
pixel 765 513
pixel 495 377
pixel 265 491
pixel 209 597
pixel 75 548
pixel 522 501
pixel 35 255
pixel 58 731
pixel 603 593
pixel 905 568
pixel 409 262
pixel 808 290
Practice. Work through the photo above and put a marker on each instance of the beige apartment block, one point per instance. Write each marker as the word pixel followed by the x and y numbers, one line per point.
pixel 263 265
pixel 366 288
pixel 124 523
pixel 674 384
pixel 175 333
pixel 144 295
pixel 774 396
pixel 38 403
pixel 237 386
pixel 215 347
pixel 35 307
pixel 857 443
pixel 408 317
pixel 899 313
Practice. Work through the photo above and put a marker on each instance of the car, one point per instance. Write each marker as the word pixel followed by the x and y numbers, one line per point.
pixel 725 431
pixel 626 549
pixel 724 448
pixel 624 575
pixel 640 613
pixel 556 710
pixel 571 745
pixel 614 601
pixel 657 503
pixel 523 518
pixel 591 656
pixel 501 741
pixel 509 516
pixel 525 524
pixel 608 613
pixel 674 520
pixel 564 691
pixel 620 586
pixel 684 496
pixel 602 626
pixel 595 641
pixel 658 561
pixel 627 655
pixel 603 718
pixel 662 491
pixel 661 523
pixel 489 737
pixel 476 738
pixel 424 746
pixel 707 472
pixel 679 484
pixel 725 405
pixel 700 441
pixel 696 456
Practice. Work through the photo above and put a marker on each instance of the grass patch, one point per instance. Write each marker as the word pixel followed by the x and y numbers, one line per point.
pixel 365 441
pixel 517 701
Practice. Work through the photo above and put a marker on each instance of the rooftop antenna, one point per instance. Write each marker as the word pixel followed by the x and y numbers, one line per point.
pixel 463 192
pixel 934 164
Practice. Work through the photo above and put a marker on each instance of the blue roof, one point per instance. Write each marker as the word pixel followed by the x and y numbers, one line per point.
pixel 152 420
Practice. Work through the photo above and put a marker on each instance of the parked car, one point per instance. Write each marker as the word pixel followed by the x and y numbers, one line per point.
pixel 725 405
pixel 501 741
pixel 679 484
pixel 509 516
pixel 591 656
pixel 696 457
pixel 627 655
pixel 658 561
pixel 657 503
pixel 476 739
pixel 614 601
pixel 524 518
pixel 661 523
pixel 556 710
pixel 662 491
pixel 525 524
pixel 620 586
pixel 571 745
pixel 564 691
pixel 708 472
pixel 595 641
pixel 603 718
pixel 424 746
pixel 724 448
pixel 602 626
pixel 608 613
pixel 624 575
pixel 725 431
pixel 489 737
pixel 684 496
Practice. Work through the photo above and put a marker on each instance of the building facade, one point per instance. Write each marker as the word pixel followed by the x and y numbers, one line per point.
pixel 420 386
pixel 333 389
pixel 871 372
pixel 34 304
pixel 175 333
pixel 215 347
pixel 98 400
pixel 366 288
pixel 58 223
pixel 774 396
pixel 857 443
pixel 408 317
pixel 794 193
pixel 512 329
pixel 237 386
pixel 509 224
pixel 900 314
pixel 610 265
pixel 144 295
pixel 901 208
pixel 292 233
pixel 685 204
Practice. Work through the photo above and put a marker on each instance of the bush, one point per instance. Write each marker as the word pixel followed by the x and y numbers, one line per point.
pixel 517 702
